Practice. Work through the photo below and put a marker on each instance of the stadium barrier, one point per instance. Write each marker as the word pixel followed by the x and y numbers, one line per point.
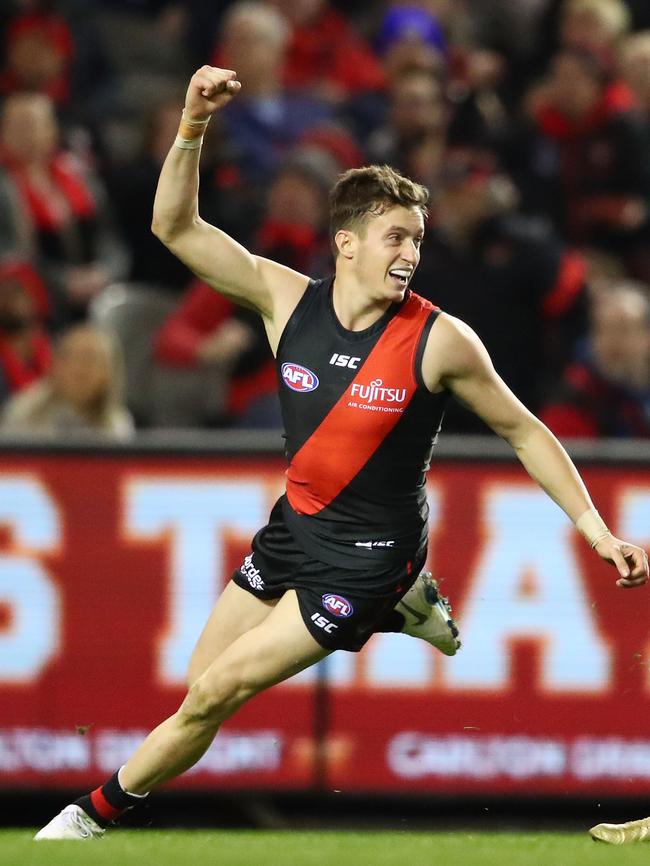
pixel 111 558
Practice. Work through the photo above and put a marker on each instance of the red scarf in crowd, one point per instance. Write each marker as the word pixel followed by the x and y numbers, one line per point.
pixel 20 373
pixel 616 99
pixel 71 184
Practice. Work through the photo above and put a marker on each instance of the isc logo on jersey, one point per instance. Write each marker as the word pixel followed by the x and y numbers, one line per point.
pixel 337 605
pixel 299 378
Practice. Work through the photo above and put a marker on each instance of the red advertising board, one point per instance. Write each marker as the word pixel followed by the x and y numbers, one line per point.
pixel 109 565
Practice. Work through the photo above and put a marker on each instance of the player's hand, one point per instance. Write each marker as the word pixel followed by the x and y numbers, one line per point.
pixel 630 561
pixel 209 89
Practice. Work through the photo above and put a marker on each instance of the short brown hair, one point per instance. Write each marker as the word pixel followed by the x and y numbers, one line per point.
pixel 371 190
pixel 614 14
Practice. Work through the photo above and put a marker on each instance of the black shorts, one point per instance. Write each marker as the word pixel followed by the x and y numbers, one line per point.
pixel 342 608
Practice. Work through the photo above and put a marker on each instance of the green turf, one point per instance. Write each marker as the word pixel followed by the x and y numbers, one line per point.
pixel 329 848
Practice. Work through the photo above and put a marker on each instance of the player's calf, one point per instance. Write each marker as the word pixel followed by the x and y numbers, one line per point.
pixel 214 697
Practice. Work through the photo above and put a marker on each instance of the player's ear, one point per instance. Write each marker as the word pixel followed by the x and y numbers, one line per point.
pixel 345 243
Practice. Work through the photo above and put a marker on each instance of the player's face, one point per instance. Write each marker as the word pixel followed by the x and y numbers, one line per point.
pixel 389 252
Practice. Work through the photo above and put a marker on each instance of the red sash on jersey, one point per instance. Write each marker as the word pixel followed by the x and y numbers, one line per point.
pixel 348 437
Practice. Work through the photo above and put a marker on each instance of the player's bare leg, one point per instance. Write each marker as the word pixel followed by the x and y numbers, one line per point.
pixel 276 649
pixel 271 652
pixel 235 612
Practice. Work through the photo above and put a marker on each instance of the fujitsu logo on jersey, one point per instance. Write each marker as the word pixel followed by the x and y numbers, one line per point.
pixel 376 393
pixel 298 378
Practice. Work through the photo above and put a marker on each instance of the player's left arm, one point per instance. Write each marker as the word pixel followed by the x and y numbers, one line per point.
pixel 456 359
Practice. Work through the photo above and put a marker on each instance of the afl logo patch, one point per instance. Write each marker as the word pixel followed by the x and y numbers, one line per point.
pixel 337 605
pixel 299 378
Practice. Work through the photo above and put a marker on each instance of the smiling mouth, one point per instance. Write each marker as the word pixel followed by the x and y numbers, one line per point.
pixel 402 276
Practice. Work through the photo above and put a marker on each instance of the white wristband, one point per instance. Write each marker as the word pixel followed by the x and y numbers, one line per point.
pixel 188 143
pixel 592 527
pixel 191 132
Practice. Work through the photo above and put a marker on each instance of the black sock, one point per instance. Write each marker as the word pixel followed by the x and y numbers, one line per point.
pixel 107 803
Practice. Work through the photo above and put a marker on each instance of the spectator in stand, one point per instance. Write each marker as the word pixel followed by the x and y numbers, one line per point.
pixel 54 47
pixel 418 116
pixel 294 230
pixel 65 206
pixel 326 57
pixel 596 170
pixel 133 186
pixel 591 25
pixel 606 393
pixel 508 276
pixel 267 120
pixel 222 344
pixel 335 139
pixel 15 227
pixel 39 49
pixel 25 352
pixel 635 72
pixel 81 393
pixel 598 26
pixel 411 37
pixel 635 69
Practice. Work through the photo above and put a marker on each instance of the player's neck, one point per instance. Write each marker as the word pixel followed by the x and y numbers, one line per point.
pixel 355 309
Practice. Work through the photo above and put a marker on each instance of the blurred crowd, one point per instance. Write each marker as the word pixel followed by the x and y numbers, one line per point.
pixel 529 121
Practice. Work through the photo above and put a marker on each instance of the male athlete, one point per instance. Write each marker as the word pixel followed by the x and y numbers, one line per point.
pixel 365 367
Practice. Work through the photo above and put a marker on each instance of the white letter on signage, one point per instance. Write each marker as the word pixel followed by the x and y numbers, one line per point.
pixel 634 518
pixel 32 636
pixel 527 585
pixel 195 515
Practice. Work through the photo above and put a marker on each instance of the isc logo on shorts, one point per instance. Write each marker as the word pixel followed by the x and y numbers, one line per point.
pixel 337 605
pixel 298 378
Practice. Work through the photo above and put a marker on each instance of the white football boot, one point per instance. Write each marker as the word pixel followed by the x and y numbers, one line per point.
pixel 427 615
pixel 71 823
pixel 622 834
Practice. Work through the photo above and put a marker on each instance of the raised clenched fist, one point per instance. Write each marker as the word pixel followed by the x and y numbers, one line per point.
pixel 209 89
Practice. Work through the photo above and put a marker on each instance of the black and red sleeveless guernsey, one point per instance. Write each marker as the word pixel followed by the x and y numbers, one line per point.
pixel 360 426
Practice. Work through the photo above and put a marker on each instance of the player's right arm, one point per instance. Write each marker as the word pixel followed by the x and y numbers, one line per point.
pixel 266 286
pixel 455 359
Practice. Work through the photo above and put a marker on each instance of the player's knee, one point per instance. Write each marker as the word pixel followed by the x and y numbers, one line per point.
pixel 211 700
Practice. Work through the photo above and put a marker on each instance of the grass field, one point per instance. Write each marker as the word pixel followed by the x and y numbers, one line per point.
pixel 328 848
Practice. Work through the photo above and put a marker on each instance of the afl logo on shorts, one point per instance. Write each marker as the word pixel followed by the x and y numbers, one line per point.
pixel 299 378
pixel 337 605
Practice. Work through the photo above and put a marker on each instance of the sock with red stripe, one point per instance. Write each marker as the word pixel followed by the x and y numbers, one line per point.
pixel 109 802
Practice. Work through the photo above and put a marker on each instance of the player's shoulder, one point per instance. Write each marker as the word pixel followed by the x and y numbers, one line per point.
pixel 452 350
pixel 453 346
pixel 419 306
pixel 420 302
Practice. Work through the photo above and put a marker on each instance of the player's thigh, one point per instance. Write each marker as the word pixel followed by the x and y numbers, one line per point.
pixel 276 649
pixel 235 612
